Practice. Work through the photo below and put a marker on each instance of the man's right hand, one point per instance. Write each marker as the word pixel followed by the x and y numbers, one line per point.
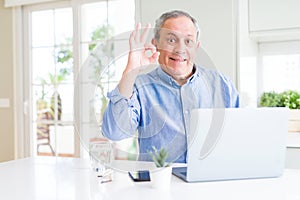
pixel 141 53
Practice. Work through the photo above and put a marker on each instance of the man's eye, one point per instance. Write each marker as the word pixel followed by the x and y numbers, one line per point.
pixel 171 40
pixel 189 42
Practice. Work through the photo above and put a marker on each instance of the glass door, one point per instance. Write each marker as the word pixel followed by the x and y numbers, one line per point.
pixel 62 39
pixel 52 81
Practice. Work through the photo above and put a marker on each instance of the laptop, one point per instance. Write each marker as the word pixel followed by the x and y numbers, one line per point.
pixel 235 143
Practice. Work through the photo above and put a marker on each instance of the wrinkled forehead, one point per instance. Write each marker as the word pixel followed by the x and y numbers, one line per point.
pixel 180 26
pixel 165 32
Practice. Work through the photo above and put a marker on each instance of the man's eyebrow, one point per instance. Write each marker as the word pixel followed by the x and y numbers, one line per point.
pixel 175 35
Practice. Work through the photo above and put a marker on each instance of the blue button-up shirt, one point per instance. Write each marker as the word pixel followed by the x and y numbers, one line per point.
pixel 159 109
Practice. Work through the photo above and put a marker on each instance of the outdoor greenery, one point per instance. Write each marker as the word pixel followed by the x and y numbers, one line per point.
pixel 55 78
pixel 101 33
pixel 64 57
pixel 100 36
pixel 290 99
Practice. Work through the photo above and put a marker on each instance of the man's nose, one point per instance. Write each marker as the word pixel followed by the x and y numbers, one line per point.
pixel 180 47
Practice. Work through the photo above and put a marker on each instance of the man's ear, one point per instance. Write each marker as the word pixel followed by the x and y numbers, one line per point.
pixel 198 45
pixel 153 41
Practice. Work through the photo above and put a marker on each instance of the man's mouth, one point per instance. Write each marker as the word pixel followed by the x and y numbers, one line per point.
pixel 178 59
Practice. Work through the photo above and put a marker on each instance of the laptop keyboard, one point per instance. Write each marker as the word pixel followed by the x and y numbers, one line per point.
pixel 183 173
pixel 180 170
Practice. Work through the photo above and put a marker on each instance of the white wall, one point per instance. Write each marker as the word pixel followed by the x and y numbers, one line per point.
pixel 217 22
pixel 247 59
pixel 6 84
pixel 277 20
pixel 274 14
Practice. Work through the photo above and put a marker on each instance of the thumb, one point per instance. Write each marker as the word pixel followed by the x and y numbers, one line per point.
pixel 154 57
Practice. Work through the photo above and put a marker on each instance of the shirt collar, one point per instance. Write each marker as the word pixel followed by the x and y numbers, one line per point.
pixel 169 80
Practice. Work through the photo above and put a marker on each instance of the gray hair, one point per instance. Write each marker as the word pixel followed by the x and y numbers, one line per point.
pixel 173 14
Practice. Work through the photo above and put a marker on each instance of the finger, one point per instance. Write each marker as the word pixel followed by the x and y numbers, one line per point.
pixel 149 50
pixel 145 33
pixel 154 57
pixel 131 40
pixel 134 35
pixel 150 47
pixel 137 32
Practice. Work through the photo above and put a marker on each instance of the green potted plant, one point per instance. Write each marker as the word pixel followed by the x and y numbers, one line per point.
pixel 161 177
pixel 270 99
pixel 290 99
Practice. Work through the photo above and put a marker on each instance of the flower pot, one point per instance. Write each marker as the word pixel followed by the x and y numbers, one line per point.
pixel 161 178
pixel 294 120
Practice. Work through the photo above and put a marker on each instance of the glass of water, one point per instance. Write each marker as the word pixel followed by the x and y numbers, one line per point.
pixel 101 154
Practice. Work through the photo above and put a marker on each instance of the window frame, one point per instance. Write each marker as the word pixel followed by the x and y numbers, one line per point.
pixel 27 10
pixel 273 48
pixel 23 131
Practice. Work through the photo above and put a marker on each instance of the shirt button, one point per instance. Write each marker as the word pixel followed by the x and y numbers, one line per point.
pixel 186 112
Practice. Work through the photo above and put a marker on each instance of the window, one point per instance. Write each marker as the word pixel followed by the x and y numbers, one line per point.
pixel 280 66
pixel 60 39
pixel 275 68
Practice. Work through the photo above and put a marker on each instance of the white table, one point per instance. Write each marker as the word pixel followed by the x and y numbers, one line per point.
pixel 71 178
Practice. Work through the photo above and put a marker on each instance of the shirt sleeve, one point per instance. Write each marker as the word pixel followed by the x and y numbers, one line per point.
pixel 232 99
pixel 121 117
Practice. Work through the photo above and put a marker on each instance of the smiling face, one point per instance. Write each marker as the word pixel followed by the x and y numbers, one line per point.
pixel 177 46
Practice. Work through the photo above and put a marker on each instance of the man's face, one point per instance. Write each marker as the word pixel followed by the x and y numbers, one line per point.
pixel 177 46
